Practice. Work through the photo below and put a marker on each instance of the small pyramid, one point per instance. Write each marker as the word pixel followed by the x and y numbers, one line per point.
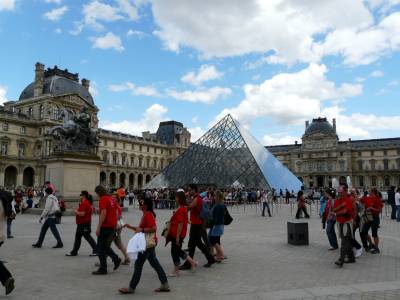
pixel 227 156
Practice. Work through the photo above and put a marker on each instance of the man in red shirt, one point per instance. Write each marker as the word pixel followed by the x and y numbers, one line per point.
pixel 84 224
pixel 343 208
pixel 106 230
pixel 373 205
pixel 196 229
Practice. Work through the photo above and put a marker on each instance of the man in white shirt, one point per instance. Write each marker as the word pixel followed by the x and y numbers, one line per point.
pixel 265 199
pixel 397 201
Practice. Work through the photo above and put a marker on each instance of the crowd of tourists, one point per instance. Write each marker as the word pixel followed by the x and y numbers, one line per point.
pixel 204 210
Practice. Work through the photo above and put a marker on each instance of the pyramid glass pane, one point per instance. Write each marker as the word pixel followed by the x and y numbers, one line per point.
pixel 226 156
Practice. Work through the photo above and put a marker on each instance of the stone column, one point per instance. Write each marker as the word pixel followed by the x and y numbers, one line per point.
pixel 20 176
pixel 1 176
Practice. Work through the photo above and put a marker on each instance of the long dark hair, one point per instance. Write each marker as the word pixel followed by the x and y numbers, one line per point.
pixel 181 198
pixel 149 205
pixel 87 196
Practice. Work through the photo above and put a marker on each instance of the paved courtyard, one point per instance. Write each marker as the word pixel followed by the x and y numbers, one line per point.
pixel 260 264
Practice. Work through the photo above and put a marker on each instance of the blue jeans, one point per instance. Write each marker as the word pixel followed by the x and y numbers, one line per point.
pixel 330 232
pixel 150 255
pixel 9 222
pixel 50 222
pixel 266 205
pixel 398 213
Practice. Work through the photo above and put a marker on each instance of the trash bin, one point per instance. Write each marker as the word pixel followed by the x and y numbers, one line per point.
pixel 297 233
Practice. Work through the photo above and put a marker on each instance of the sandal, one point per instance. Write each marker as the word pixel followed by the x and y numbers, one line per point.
pixel 128 290
pixel 126 262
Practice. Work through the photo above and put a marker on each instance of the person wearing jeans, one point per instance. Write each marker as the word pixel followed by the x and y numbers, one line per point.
pixel 106 230
pixel 49 214
pixel 343 208
pixel 84 224
pixel 147 226
pixel 330 218
pixel 397 201
pixel 265 198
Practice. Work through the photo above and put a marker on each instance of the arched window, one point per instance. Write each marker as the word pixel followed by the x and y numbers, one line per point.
pixel 21 150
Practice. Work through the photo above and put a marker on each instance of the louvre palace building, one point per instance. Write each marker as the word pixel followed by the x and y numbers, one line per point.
pixel 25 146
pixel 322 156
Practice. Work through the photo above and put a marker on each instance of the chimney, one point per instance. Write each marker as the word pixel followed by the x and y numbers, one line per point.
pixel 334 124
pixel 86 83
pixel 39 79
pixel 307 123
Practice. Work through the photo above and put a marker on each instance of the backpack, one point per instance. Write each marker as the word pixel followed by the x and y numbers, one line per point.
pixel 205 213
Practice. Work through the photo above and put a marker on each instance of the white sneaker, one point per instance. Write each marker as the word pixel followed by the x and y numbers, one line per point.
pixel 359 252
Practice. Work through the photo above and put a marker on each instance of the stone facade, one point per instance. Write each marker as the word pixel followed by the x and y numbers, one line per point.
pixel 321 157
pixel 54 96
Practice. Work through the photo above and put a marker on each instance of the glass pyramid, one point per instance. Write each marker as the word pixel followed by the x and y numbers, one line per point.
pixel 227 156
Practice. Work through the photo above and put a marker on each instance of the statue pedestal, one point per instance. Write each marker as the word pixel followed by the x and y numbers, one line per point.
pixel 71 174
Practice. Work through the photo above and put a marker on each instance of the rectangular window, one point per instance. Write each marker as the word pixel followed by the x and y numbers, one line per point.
pixel 23 129
pixel 140 148
pixel 5 126
pixel 105 142
pixel 359 154
pixel 155 150
pixel 115 144
pixel 341 153
pixel 148 149
pixel 372 153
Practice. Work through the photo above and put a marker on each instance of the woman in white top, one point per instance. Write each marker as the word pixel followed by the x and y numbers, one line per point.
pixel 397 201
pixel 49 214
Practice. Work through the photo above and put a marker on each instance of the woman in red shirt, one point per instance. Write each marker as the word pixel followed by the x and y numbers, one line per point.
pixel 372 204
pixel 148 226
pixel 84 224
pixel 177 233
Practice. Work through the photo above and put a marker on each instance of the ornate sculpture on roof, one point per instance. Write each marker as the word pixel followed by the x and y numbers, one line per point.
pixel 63 73
pixel 76 134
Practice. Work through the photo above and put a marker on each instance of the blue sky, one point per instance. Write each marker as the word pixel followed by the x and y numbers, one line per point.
pixel 271 64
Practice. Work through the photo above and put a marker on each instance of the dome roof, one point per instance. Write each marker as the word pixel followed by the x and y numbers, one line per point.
pixel 57 85
pixel 320 125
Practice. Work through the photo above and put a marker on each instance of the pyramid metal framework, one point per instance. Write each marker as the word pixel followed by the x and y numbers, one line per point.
pixel 227 156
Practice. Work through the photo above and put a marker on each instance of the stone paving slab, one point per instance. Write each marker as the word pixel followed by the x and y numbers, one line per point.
pixel 260 264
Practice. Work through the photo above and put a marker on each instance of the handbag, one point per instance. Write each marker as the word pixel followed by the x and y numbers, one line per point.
pixel 165 231
pixel 227 217
pixel 150 240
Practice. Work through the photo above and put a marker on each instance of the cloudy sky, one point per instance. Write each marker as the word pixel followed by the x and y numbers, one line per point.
pixel 271 64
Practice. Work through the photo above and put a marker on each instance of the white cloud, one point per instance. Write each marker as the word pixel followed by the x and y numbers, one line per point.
pixel 149 121
pixel 94 89
pixel 108 41
pixel 196 133
pixel 362 46
pixel 286 28
pixel 205 73
pixel 3 93
pixel 195 119
pixel 290 97
pixel 149 91
pixel 205 95
pixel 357 125
pixel 271 140
pixel 129 8
pixel 53 1
pixel 136 33
pixel 284 31
pixel 56 14
pixel 97 11
pixel 7 5
pixel 58 30
pixel 376 73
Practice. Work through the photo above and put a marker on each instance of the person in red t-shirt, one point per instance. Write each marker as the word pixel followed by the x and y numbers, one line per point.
pixel 118 240
pixel 197 230
pixel 106 230
pixel 372 204
pixel 177 233
pixel 344 210
pixel 148 226
pixel 84 224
